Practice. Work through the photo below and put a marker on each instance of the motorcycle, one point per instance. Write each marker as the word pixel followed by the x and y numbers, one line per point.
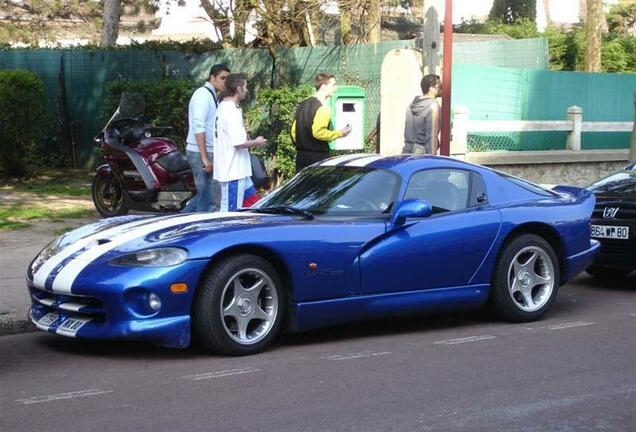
pixel 142 171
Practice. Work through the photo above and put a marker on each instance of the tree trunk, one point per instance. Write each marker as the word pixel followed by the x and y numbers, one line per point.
pixel 345 23
pixel 546 10
pixel 110 27
pixel 373 22
pixel 593 27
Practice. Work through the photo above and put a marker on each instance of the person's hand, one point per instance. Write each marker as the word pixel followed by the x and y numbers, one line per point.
pixel 260 141
pixel 345 130
pixel 207 164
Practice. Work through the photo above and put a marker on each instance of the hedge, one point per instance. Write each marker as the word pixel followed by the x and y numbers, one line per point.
pixel 22 119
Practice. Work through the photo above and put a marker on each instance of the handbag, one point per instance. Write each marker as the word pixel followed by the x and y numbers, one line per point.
pixel 260 178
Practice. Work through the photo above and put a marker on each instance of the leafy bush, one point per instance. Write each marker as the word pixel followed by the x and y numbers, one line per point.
pixel 166 103
pixel 22 118
pixel 271 115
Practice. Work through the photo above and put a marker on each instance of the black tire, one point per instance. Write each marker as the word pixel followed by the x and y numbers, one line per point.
pixel 217 332
pixel 509 284
pixel 607 273
pixel 108 196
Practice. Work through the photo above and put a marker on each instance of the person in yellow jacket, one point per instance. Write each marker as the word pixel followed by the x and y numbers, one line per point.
pixel 310 130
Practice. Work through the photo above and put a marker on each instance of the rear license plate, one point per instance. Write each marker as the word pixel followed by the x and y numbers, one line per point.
pixel 610 232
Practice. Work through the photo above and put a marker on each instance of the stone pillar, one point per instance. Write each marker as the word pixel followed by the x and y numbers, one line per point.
pixel 632 146
pixel 575 115
pixel 400 83
pixel 459 134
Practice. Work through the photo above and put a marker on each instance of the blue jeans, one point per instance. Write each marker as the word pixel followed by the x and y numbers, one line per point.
pixel 208 193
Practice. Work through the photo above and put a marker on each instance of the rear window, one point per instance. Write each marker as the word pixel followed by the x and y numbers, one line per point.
pixel 528 185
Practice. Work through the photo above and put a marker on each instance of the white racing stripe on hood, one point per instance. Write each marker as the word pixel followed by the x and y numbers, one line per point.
pixel 64 280
pixel 39 278
pixel 340 159
pixel 364 161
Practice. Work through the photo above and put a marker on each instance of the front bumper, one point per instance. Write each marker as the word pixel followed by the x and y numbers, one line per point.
pixel 111 302
pixel 172 332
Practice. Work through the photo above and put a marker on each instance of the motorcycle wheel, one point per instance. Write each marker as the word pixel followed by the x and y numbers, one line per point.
pixel 108 196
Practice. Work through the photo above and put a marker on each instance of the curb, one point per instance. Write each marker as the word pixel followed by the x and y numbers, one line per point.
pixel 17 326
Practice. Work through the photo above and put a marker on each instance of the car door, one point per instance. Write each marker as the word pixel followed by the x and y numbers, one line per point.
pixel 443 250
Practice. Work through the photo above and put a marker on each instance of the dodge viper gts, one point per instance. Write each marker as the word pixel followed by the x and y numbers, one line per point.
pixel 349 238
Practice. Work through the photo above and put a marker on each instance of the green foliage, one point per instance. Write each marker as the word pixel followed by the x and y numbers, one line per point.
pixel 166 102
pixel 567 44
pixel 512 11
pixel 621 19
pixel 271 116
pixel 22 118
pixel 522 28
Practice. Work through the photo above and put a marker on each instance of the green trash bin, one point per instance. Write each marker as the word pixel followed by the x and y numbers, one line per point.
pixel 347 107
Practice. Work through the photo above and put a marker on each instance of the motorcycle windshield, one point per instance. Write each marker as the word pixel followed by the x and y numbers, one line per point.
pixel 131 106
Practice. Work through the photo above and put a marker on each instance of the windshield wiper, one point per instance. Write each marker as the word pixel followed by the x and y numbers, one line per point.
pixel 283 209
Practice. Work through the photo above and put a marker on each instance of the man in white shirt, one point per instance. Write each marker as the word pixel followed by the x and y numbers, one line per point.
pixel 232 168
pixel 200 140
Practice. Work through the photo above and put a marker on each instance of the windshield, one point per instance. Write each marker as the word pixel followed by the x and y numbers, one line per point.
pixel 622 183
pixel 131 106
pixel 337 191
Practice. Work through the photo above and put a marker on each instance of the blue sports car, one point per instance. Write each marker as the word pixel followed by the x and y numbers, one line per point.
pixel 352 237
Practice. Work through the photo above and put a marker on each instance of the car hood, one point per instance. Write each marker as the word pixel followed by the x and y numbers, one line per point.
pixel 121 230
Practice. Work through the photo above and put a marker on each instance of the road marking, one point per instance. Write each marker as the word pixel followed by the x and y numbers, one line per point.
pixel 221 373
pixel 61 396
pixel 464 340
pixel 570 325
pixel 352 356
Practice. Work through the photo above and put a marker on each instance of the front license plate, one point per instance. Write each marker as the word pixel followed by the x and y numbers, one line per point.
pixel 610 232
pixel 48 319
pixel 72 325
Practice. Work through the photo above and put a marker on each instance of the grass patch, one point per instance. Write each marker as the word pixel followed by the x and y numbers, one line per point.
pixel 17 216
pixel 55 189
pixel 63 183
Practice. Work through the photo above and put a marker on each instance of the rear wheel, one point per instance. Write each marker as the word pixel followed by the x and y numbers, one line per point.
pixel 239 307
pixel 607 273
pixel 108 196
pixel 525 282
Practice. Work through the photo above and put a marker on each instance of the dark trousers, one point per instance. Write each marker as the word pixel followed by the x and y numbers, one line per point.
pixel 305 158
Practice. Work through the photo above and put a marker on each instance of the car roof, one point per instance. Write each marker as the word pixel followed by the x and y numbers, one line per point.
pixel 404 164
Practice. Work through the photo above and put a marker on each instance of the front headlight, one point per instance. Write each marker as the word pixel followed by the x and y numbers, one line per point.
pixel 49 250
pixel 163 257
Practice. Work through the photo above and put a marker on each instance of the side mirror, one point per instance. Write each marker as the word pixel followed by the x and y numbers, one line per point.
pixel 410 208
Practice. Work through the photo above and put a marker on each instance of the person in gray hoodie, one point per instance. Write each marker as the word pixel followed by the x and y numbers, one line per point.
pixel 421 129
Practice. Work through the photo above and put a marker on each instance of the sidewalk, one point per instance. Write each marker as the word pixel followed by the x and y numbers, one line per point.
pixel 17 250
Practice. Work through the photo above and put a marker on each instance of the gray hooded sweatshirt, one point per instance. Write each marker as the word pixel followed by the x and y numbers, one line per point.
pixel 418 128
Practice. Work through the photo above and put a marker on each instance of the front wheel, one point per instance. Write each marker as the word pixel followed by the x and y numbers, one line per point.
pixel 526 279
pixel 239 306
pixel 108 196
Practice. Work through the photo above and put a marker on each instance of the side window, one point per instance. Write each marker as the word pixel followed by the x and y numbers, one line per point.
pixel 478 191
pixel 445 189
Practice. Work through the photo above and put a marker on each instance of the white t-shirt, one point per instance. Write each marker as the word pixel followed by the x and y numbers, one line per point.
pixel 230 163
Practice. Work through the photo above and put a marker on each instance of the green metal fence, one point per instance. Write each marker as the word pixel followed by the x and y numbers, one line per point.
pixel 493 93
pixel 75 80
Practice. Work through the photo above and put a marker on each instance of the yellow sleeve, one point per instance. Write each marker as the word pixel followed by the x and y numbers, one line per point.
pixel 320 126
pixel 292 131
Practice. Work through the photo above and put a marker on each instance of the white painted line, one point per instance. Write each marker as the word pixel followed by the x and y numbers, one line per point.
pixel 464 340
pixel 352 356
pixel 569 325
pixel 221 373
pixel 62 396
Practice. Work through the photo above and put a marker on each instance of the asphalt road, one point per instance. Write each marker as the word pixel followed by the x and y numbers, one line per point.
pixel 573 371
